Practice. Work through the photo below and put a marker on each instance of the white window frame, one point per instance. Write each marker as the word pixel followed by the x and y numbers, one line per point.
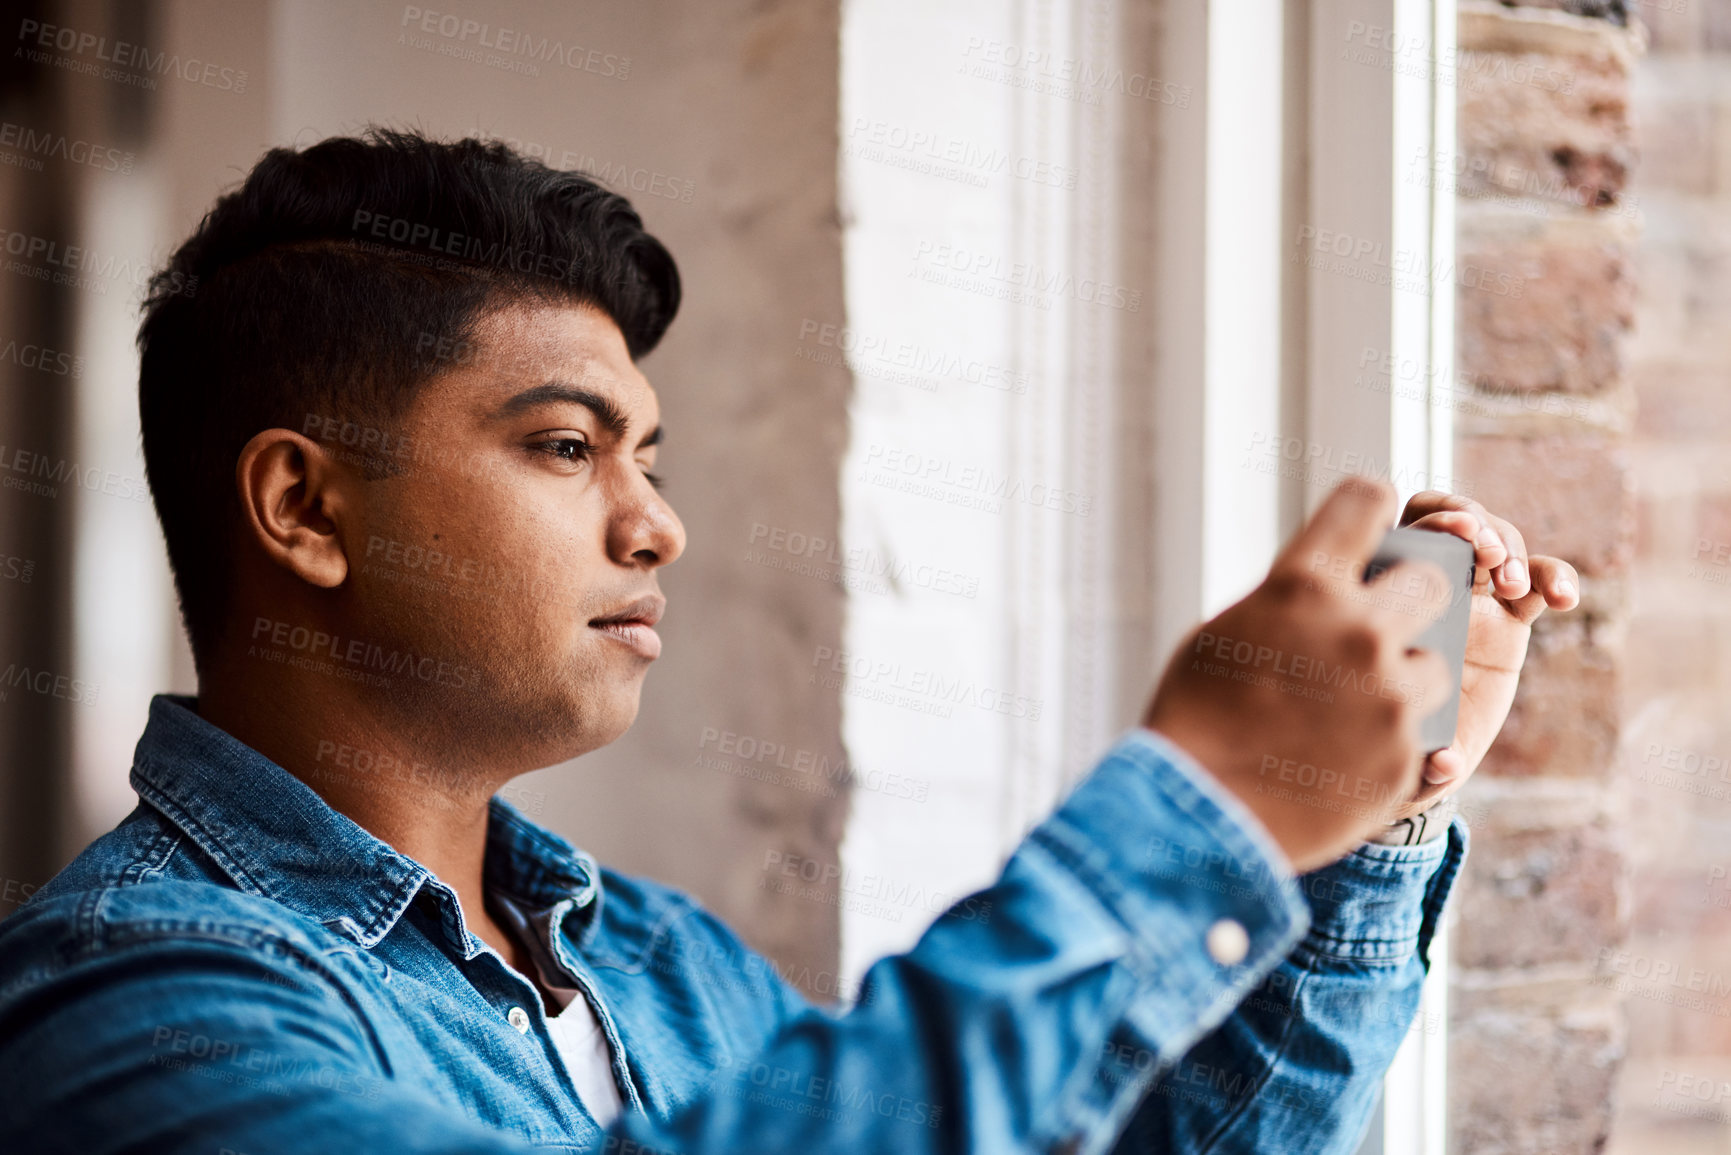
pixel 1295 135
pixel 1278 133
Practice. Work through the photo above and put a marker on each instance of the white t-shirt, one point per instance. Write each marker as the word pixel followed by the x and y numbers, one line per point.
pixel 575 1030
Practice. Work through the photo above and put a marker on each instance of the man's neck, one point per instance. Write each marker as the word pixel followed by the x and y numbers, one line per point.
pixel 388 777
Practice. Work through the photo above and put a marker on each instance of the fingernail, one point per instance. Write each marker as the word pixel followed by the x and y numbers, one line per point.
pixel 1514 571
pixel 1436 776
pixel 1488 538
pixel 1566 588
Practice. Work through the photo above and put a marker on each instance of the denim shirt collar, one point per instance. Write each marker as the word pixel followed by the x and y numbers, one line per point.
pixel 274 837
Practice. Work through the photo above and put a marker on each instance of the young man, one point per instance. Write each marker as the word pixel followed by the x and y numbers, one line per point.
pixel 401 451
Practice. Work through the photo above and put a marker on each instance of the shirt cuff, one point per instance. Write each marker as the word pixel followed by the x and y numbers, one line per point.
pixel 1208 898
pixel 1383 903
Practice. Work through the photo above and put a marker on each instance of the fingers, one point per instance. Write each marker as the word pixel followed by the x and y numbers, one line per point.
pixel 1468 525
pixel 1343 533
pixel 1427 795
pixel 1555 585
pixel 1512 578
pixel 1501 550
pixel 1557 580
pixel 1441 774
pixel 1444 766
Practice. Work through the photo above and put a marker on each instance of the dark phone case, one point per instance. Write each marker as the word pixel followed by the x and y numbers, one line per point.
pixel 1448 634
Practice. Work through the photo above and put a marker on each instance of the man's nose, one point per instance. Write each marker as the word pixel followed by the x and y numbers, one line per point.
pixel 648 532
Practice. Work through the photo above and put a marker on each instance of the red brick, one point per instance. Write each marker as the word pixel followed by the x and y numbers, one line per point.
pixel 1570 496
pixel 1560 302
pixel 1672 26
pixel 1684 1012
pixel 1533 897
pixel 1670 649
pixel 1645 529
pixel 1678 138
pixel 1565 719
pixel 1684 273
pixel 1680 902
pixel 1712 521
pixel 1682 401
pixel 1528 140
pixel 1611 10
pixel 1543 107
pixel 1531 1083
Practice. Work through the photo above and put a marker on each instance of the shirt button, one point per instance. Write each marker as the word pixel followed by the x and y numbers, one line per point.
pixel 1227 942
pixel 519 1018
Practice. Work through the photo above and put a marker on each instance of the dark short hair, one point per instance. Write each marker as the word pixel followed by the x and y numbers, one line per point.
pixel 314 288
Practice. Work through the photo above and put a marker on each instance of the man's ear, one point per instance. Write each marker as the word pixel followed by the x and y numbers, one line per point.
pixel 293 498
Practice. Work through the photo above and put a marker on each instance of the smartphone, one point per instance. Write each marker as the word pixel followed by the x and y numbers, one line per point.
pixel 1448 634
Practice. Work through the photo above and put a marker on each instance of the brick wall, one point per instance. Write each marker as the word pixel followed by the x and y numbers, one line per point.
pixel 1674 1093
pixel 1547 258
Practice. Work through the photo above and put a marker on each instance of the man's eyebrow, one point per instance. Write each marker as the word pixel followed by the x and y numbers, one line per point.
pixel 606 411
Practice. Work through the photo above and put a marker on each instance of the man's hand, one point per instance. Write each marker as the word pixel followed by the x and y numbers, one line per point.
pixel 1304 698
pixel 1510 591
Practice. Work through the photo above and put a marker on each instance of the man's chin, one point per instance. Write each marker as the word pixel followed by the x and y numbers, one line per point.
pixel 595 720
pixel 620 719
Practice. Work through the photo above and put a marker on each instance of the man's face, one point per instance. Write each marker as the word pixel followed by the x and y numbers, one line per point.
pixel 525 514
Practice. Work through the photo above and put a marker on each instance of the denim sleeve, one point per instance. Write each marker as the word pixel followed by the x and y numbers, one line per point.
pixel 1298 1065
pixel 195 1036
pixel 1132 923
pixel 1004 1028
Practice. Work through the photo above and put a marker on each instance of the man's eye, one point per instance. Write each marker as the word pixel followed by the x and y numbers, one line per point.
pixel 565 448
pixel 576 449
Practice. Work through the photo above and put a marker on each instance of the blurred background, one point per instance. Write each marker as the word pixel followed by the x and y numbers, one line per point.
pixel 1017 336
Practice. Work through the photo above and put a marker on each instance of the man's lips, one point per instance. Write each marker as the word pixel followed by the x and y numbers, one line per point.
pixel 646 610
pixel 634 625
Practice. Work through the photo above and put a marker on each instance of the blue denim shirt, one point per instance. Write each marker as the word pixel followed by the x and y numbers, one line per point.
pixel 238 967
